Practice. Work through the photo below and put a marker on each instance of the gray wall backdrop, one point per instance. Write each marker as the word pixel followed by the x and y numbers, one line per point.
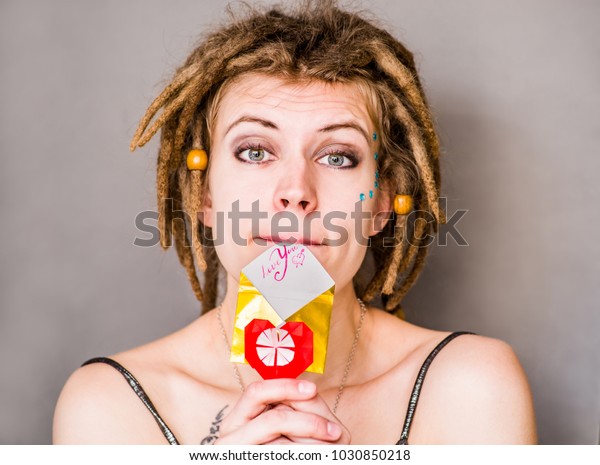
pixel 515 89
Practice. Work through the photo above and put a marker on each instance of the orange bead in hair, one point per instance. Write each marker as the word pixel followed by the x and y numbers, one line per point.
pixel 403 204
pixel 197 159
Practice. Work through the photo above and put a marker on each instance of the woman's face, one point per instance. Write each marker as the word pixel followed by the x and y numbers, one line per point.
pixel 289 162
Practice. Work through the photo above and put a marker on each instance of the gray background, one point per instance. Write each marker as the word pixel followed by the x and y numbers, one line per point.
pixel 515 89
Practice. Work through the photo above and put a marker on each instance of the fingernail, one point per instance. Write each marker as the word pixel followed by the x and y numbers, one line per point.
pixel 333 429
pixel 306 387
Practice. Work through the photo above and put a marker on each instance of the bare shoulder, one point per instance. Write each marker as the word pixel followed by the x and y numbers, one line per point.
pixel 475 392
pixel 97 406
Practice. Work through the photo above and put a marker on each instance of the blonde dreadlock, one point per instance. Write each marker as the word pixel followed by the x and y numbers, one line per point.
pixel 317 42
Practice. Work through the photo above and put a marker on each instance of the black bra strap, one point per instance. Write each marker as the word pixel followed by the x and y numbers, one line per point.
pixel 137 387
pixel 414 397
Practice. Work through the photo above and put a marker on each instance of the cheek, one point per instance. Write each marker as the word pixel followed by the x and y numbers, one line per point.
pixel 350 213
pixel 362 185
pixel 343 263
pixel 228 189
pixel 234 258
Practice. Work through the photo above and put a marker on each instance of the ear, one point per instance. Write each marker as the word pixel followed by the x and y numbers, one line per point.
pixel 205 215
pixel 382 212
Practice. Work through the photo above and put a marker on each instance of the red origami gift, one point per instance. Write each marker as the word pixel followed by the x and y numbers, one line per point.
pixel 282 352
pixel 283 312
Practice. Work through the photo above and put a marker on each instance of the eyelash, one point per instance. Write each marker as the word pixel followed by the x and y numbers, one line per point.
pixel 249 146
pixel 353 158
pixel 258 146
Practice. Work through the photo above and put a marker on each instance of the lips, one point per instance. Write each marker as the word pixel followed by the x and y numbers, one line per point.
pixel 264 239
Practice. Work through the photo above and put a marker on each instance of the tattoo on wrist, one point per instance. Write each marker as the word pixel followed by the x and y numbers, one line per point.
pixel 214 428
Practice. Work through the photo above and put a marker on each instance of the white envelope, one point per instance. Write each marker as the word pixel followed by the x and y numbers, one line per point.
pixel 288 276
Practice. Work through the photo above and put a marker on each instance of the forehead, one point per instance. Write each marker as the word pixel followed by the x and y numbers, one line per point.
pixel 315 100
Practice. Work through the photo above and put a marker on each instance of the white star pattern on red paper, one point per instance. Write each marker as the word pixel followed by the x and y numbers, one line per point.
pixel 275 347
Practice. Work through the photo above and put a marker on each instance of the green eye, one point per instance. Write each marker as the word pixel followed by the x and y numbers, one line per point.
pixel 338 160
pixel 335 160
pixel 256 154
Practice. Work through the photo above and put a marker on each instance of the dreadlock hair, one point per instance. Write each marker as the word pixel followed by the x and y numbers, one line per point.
pixel 317 41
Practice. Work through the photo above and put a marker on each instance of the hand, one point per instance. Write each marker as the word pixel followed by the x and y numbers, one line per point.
pixel 310 406
pixel 315 405
pixel 303 415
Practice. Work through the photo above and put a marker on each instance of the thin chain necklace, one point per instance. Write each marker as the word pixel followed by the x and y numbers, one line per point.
pixel 236 371
pixel 363 311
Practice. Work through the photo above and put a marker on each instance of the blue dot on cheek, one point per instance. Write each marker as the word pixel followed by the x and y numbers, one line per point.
pixel 362 197
pixel 370 194
pixel 376 184
pixel 374 136
pixel 376 156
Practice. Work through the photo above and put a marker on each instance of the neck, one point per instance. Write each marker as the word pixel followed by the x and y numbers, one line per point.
pixel 345 318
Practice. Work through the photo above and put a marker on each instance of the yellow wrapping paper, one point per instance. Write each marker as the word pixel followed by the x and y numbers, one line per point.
pixel 316 314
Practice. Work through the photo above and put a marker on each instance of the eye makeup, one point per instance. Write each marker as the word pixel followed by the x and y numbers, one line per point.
pixel 362 196
pixel 334 153
pixel 256 150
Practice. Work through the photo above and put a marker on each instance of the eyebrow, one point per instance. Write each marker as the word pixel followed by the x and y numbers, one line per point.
pixel 251 119
pixel 347 125
pixel 328 128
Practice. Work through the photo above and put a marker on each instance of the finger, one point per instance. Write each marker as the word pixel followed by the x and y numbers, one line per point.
pixel 311 441
pixel 287 441
pixel 281 407
pixel 279 441
pixel 283 422
pixel 260 394
pixel 294 439
pixel 317 406
pixel 300 440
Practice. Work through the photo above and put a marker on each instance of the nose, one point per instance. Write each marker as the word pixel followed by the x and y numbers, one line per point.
pixel 296 190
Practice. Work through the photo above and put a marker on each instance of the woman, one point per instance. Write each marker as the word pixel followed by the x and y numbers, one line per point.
pixel 310 115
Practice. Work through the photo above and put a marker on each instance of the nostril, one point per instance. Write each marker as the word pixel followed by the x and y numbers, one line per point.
pixel 285 202
pixel 304 203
